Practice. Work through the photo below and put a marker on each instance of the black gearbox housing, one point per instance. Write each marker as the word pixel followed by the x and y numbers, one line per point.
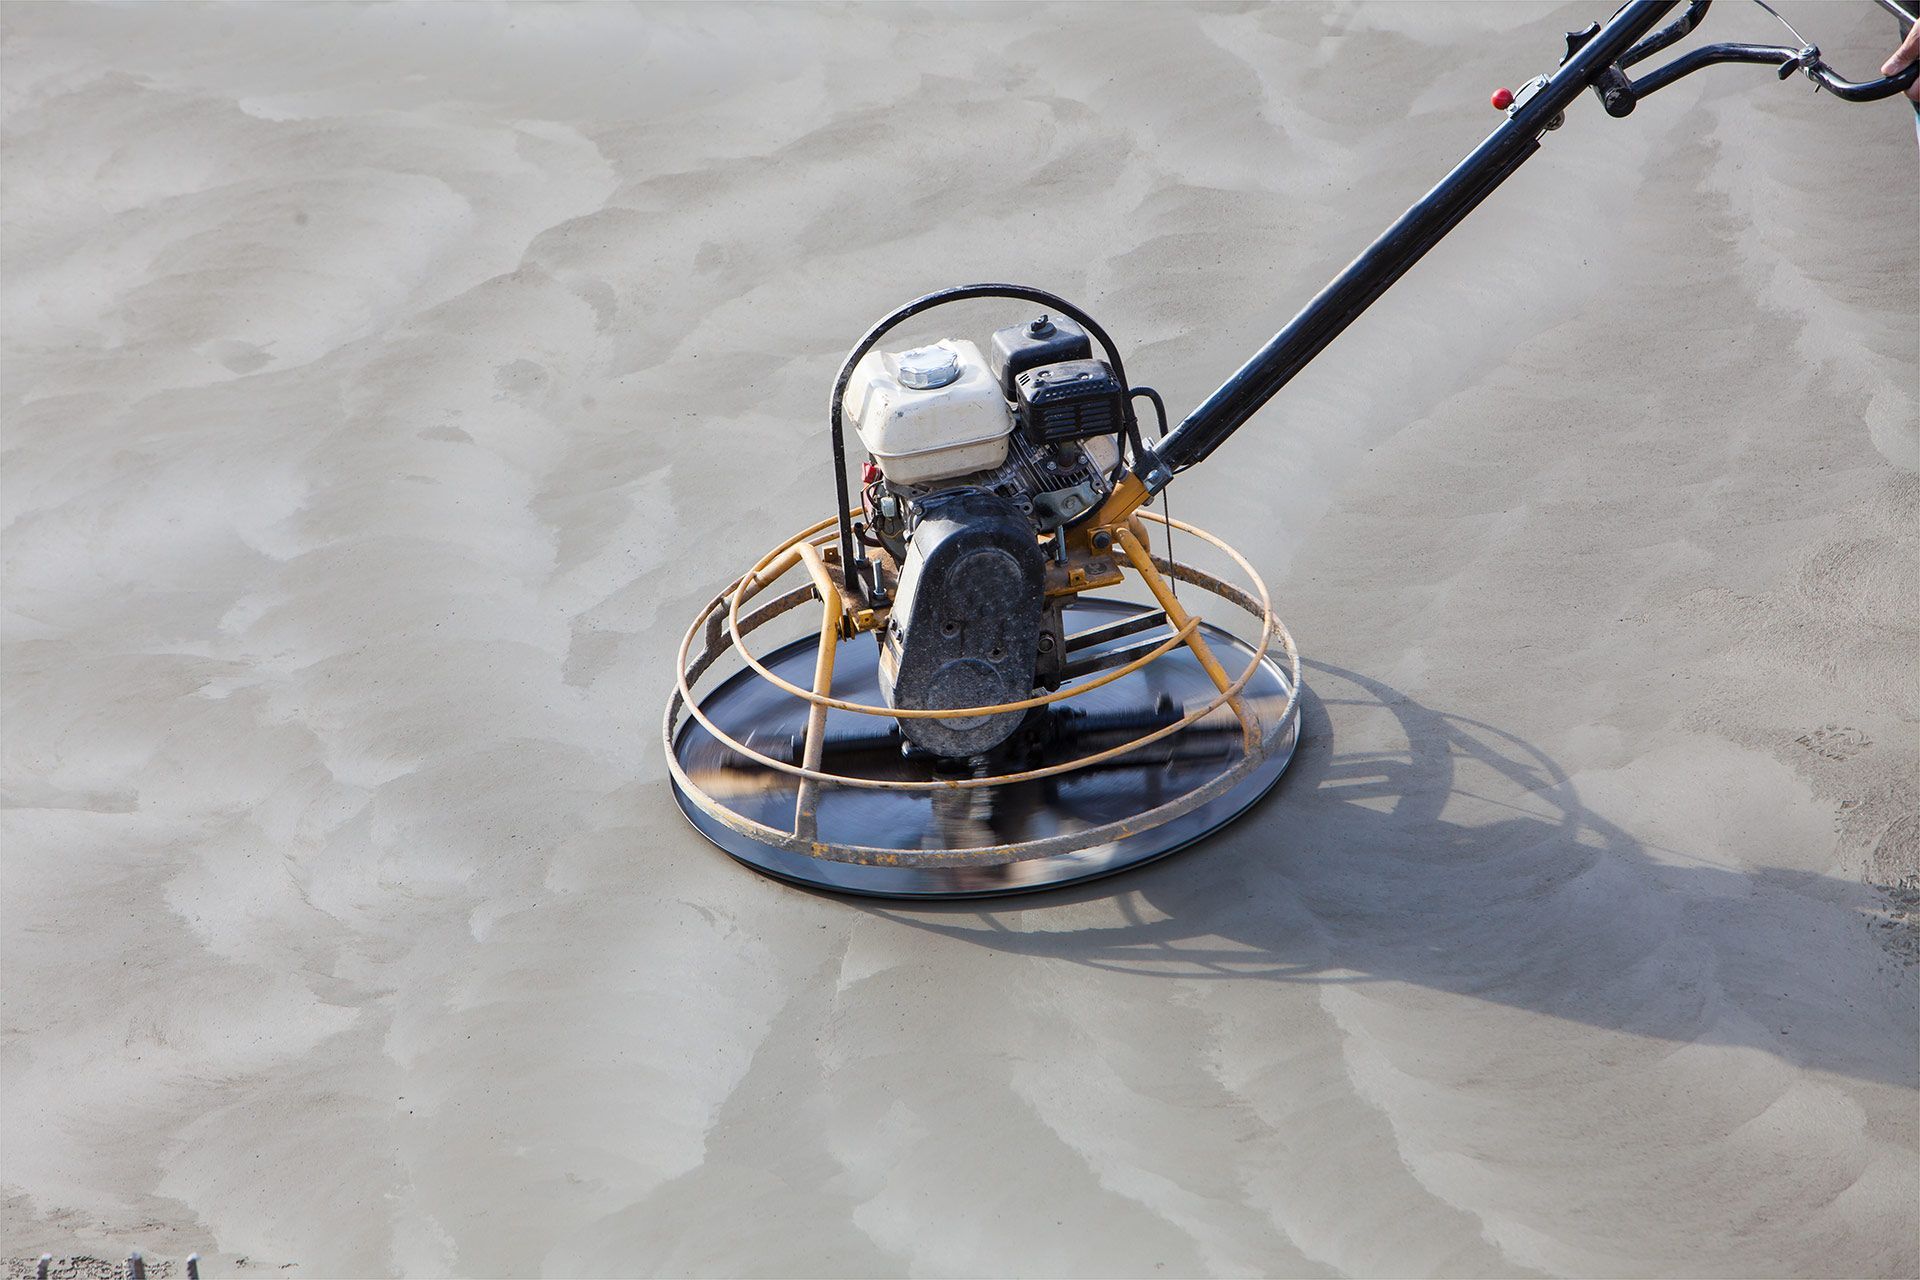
pixel 966 621
pixel 1072 400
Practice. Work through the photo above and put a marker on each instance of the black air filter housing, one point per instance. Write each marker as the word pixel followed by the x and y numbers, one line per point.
pixel 1043 340
pixel 1072 400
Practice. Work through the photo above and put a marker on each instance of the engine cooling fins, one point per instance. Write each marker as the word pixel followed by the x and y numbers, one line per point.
pixel 1169 727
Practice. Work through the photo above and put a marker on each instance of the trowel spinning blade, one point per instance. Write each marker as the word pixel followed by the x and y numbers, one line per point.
pixel 774 722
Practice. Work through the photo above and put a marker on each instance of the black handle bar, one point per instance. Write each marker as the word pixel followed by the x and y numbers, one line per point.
pixel 1865 91
pixel 1596 58
pixel 1788 60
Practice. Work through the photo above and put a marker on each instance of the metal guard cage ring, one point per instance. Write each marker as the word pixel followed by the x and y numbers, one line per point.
pixel 724 629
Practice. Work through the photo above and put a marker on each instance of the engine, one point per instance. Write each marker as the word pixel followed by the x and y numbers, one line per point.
pixel 976 461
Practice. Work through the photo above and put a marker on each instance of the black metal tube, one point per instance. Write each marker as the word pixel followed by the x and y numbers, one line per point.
pixel 1769 55
pixel 1766 55
pixel 1398 248
pixel 1671 33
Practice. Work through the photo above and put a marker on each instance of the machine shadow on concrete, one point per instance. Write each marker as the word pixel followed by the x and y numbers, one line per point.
pixel 1420 847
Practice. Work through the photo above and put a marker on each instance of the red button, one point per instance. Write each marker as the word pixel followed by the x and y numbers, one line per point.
pixel 1502 99
pixel 870 472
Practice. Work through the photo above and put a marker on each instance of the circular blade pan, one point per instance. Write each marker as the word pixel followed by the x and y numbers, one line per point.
pixel 774 722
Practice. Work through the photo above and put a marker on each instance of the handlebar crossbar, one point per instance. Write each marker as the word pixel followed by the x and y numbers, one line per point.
pixel 1788 60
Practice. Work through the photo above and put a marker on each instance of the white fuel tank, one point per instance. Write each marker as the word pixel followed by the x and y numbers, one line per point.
pixel 929 414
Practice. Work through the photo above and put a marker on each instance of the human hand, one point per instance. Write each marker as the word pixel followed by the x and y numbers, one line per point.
pixel 1905 56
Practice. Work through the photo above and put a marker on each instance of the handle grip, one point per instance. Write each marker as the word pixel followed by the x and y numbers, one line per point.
pixel 1866 91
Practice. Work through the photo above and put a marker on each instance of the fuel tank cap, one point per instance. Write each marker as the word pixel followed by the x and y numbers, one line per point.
pixel 925 368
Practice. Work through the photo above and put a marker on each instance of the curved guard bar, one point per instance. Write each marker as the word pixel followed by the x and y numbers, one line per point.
pixel 851 559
